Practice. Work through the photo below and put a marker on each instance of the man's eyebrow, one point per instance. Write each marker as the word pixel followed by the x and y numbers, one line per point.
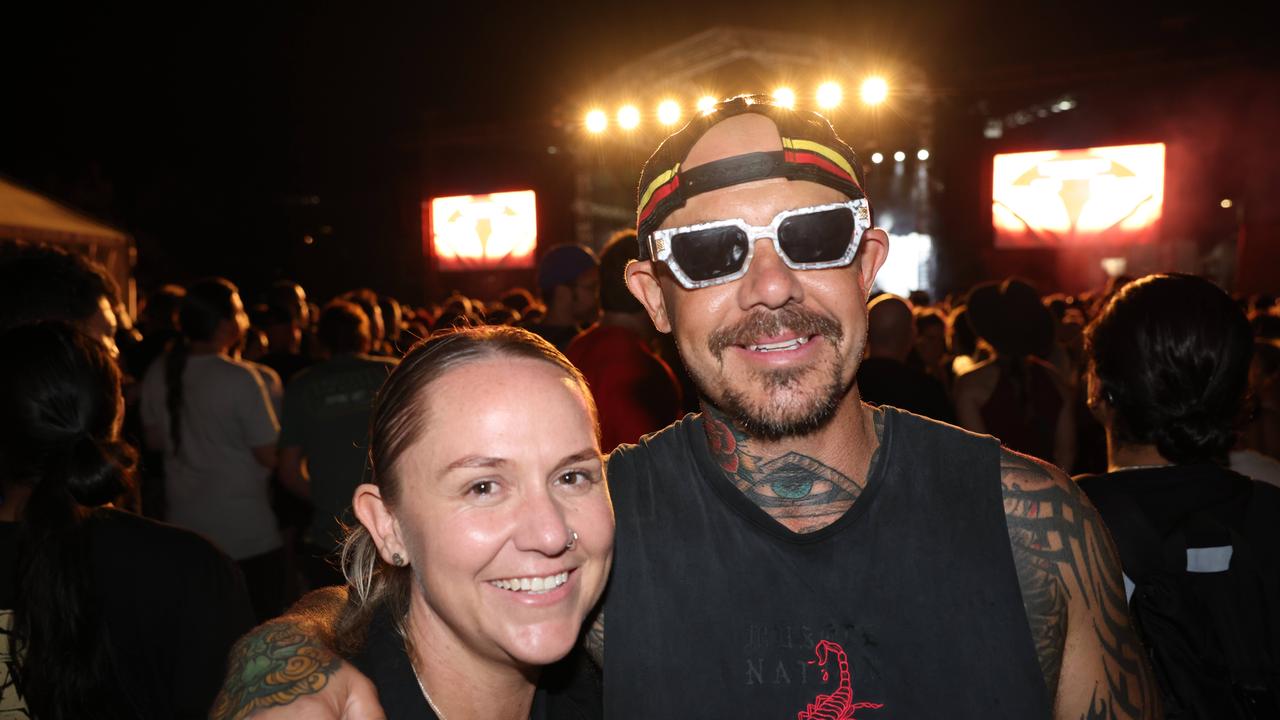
pixel 580 456
pixel 476 461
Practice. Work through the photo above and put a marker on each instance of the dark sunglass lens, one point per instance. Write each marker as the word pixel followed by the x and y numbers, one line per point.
pixel 816 237
pixel 709 254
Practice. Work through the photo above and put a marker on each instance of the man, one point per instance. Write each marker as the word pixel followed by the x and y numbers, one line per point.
pixel 793 552
pixel 569 280
pixel 285 320
pixel 323 431
pixel 636 392
pixel 884 377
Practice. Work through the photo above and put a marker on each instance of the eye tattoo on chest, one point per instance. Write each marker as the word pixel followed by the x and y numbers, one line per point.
pixel 796 489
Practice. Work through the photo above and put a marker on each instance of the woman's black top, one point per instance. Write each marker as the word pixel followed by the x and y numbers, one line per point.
pixel 568 690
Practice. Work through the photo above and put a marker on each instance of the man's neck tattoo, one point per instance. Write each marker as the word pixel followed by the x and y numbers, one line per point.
pixel 799 491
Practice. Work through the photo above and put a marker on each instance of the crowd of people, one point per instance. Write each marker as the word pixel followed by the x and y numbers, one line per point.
pixel 164 485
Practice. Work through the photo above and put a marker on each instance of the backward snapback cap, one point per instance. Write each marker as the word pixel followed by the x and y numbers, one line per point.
pixel 811 151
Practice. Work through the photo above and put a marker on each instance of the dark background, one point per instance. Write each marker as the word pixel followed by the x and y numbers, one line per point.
pixel 221 136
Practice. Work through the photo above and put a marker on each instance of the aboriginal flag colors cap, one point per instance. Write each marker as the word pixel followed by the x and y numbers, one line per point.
pixel 811 151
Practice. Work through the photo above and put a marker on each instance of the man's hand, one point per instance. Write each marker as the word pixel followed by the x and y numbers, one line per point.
pixel 285 669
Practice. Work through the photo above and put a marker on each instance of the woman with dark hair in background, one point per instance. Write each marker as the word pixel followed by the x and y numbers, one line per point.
pixel 1168 367
pixel 1016 395
pixel 112 615
pixel 211 416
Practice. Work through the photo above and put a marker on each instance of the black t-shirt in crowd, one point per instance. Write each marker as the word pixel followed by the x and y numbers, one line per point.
pixel 173 605
pixel 908 606
pixel 884 381
pixel 568 690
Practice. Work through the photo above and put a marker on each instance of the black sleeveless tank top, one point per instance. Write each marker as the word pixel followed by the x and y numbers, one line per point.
pixel 908 606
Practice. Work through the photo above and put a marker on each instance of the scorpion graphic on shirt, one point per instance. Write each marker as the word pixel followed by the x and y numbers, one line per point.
pixel 838 705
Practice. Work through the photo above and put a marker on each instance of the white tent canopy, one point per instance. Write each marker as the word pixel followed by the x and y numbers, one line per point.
pixel 30 216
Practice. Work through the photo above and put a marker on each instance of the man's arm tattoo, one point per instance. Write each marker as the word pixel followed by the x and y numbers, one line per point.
pixel 797 490
pixel 1062 551
pixel 282 660
pixel 273 665
pixel 594 640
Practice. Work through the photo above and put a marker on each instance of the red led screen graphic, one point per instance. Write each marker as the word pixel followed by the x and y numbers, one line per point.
pixel 498 231
pixel 1078 197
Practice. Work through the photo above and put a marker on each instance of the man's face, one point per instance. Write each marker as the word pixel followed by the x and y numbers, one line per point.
pixel 101 326
pixel 777 349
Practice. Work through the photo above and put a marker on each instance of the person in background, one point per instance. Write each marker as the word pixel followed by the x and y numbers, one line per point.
pixel 39 282
pixel 569 280
pixel 965 348
pixel 103 614
pixel 323 433
pixel 1168 370
pixel 884 378
pixel 393 326
pixel 518 299
pixel 368 302
pixel 158 322
pixel 1015 395
pixel 636 391
pixel 211 416
pixel 931 345
pixel 285 320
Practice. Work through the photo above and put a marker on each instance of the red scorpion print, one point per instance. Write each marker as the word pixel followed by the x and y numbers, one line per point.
pixel 839 705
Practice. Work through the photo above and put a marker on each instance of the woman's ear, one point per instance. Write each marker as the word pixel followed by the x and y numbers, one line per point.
pixel 377 518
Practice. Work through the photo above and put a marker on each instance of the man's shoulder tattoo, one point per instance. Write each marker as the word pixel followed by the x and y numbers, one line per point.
pixel 1063 553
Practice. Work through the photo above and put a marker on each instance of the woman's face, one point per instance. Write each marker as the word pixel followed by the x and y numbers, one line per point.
pixel 506 470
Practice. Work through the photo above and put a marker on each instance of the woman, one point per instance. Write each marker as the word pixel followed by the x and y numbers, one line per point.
pixel 486 533
pixel 1168 370
pixel 211 416
pixel 112 615
pixel 1015 395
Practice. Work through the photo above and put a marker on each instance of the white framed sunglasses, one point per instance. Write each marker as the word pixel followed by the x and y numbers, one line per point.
pixel 720 251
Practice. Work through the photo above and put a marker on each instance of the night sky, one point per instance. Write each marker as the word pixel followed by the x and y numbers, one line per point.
pixel 220 136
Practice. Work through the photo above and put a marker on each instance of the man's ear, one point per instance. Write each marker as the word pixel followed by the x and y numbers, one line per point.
pixel 872 252
pixel 642 281
pixel 382 525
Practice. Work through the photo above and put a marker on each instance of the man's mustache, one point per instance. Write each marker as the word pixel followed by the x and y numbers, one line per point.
pixel 766 323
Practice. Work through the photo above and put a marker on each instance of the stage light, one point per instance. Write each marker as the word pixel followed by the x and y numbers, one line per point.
pixel 1226 203
pixel 706 104
pixel 922 155
pixel 597 122
pixel 877 158
pixel 829 95
pixel 628 117
pixel 785 96
pixel 874 90
pixel 899 156
pixel 668 112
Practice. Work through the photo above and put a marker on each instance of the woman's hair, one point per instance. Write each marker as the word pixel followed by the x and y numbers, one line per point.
pixel 60 409
pixel 397 422
pixel 206 305
pixel 1172 355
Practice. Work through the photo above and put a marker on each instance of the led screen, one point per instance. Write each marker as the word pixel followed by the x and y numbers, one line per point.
pixel 498 231
pixel 1112 195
